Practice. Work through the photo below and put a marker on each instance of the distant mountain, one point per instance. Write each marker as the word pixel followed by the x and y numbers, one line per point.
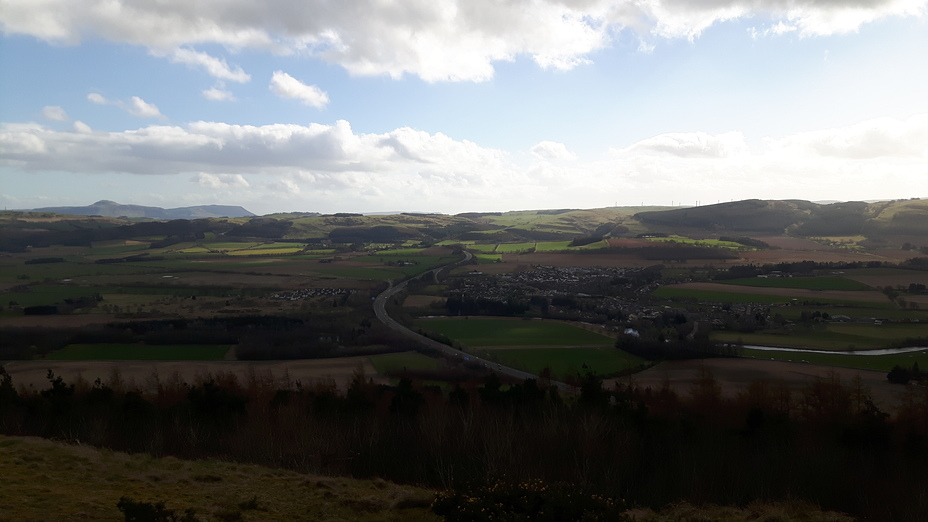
pixel 112 209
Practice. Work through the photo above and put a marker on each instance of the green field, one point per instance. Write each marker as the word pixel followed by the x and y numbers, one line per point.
pixel 830 337
pixel 265 251
pixel 357 272
pixel 668 292
pixel 863 362
pixel 565 362
pixel 808 283
pixel 701 242
pixel 46 295
pixel 139 352
pixel 399 252
pixel 485 248
pixel 488 258
pixel 513 332
pixel 395 362
pixel 228 245
pixel 795 312
pixel 509 248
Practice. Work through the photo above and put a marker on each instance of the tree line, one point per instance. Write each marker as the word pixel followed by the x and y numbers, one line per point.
pixel 829 444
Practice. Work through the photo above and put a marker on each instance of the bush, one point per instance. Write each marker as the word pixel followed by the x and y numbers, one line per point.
pixel 530 500
pixel 148 512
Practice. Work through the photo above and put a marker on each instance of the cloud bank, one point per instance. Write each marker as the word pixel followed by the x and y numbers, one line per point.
pixel 439 40
pixel 319 162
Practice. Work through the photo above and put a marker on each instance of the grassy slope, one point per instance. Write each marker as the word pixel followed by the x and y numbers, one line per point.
pixel 45 480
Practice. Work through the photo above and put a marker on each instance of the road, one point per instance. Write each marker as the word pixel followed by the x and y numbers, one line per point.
pixel 380 309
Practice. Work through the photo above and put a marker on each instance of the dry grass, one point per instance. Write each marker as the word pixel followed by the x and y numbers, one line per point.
pixel 46 480
pixel 755 512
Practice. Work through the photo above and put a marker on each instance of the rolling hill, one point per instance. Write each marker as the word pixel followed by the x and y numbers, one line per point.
pixel 108 208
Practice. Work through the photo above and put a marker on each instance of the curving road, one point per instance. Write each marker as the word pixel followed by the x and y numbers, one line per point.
pixel 380 309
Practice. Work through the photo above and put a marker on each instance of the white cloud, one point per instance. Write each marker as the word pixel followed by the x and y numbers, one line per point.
pixel 141 108
pixel 97 98
pixel 218 94
pixel 135 106
pixel 286 86
pixel 871 139
pixel 54 113
pixel 213 66
pixel 82 128
pixel 437 40
pixel 221 148
pixel 220 181
pixel 692 145
pixel 552 150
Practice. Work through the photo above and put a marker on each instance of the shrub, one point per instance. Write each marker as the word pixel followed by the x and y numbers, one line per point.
pixel 148 512
pixel 530 500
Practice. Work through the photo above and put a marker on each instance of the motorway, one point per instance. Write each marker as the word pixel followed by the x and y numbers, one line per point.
pixel 380 309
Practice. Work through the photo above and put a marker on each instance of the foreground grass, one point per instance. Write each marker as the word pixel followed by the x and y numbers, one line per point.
pixel 756 511
pixel 46 480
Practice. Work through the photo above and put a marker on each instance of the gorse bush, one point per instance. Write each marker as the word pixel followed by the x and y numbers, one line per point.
pixel 152 512
pixel 528 500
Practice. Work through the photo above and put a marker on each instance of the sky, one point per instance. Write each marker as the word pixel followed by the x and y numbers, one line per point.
pixel 460 105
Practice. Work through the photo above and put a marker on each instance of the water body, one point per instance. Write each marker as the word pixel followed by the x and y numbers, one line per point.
pixel 885 351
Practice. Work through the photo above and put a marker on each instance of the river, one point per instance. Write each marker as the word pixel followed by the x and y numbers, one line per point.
pixel 883 351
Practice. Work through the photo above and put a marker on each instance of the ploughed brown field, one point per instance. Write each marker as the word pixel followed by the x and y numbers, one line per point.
pixel 631 243
pixel 823 256
pixel 145 374
pixel 894 280
pixel 734 376
pixel 57 321
pixel 793 243
pixel 568 260
pixel 870 296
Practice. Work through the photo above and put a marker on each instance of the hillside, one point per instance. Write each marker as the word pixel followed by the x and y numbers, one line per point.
pixel 46 480
pixel 881 224
pixel 796 217
pixel 112 209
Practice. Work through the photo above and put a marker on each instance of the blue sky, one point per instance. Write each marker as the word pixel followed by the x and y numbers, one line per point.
pixel 456 106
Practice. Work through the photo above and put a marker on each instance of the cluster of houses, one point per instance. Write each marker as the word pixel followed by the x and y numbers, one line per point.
pixel 307 293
